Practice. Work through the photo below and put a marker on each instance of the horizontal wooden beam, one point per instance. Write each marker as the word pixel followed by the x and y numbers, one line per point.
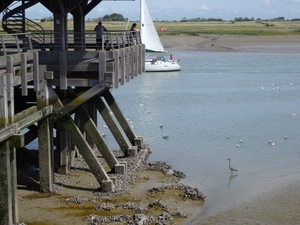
pixel 15 128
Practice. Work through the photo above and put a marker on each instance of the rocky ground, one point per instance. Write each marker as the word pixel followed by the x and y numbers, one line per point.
pixel 149 193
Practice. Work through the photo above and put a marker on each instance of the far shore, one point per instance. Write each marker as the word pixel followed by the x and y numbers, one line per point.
pixel 238 43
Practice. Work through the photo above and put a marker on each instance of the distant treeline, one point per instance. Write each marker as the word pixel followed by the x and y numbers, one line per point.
pixel 237 19
pixel 120 17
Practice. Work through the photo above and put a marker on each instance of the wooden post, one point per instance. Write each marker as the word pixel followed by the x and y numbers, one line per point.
pixel 116 68
pixel 122 66
pixel 132 62
pixel 136 60
pixel 119 116
pixel 13 155
pixel 24 74
pixel 121 140
pixel 5 165
pixel 88 154
pixel 45 138
pixel 102 65
pixel 103 148
pixel 127 64
pixel 64 152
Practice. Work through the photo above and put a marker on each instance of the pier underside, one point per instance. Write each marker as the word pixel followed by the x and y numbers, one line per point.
pixel 54 98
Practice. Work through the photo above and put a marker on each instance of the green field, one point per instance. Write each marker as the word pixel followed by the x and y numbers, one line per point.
pixel 240 28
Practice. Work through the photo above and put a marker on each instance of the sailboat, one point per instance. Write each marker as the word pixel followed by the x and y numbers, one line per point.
pixel 155 52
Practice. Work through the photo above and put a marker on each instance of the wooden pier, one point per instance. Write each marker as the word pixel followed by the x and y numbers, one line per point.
pixel 54 97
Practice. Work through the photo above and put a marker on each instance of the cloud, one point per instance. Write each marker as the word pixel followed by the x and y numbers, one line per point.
pixel 267 2
pixel 203 7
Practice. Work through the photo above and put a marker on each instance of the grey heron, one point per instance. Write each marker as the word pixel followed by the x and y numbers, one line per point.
pixel 231 168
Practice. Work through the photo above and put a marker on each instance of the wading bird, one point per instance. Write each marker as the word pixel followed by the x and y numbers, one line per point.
pixel 231 168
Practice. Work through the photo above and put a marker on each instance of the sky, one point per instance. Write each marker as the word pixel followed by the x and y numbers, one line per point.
pixel 179 9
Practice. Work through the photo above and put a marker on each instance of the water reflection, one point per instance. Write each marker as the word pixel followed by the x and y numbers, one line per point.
pixel 232 176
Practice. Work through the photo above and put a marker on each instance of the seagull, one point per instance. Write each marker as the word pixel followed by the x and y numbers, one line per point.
pixel 241 141
pixel 165 137
pixel 285 137
pixel 161 126
pixel 141 104
pixel 237 145
pixel 227 137
pixel 231 168
pixel 272 143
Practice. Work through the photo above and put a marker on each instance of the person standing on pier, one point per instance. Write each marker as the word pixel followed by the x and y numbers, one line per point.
pixel 99 34
pixel 133 31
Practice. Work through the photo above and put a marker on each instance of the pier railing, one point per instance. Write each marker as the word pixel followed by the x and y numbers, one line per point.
pixel 22 42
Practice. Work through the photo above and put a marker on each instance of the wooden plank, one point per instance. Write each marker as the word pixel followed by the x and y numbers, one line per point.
pixel 122 66
pixel 24 74
pixel 77 82
pixel 24 113
pixel 132 62
pixel 102 65
pixel 63 70
pixel 10 87
pixel 3 102
pixel 17 79
pixel 127 64
pixel 36 71
pixel 16 127
pixel 116 70
pixel 34 117
pixel 136 58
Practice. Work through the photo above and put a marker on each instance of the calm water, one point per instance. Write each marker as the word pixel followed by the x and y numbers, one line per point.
pixel 254 97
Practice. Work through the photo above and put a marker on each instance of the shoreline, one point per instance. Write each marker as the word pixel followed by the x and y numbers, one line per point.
pixel 231 43
pixel 263 207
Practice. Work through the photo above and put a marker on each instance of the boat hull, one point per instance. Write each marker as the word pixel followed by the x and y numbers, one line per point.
pixel 161 66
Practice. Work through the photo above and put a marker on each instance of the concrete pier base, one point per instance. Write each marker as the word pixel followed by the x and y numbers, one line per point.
pixel 138 141
pixel 107 185
pixel 132 151
pixel 120 169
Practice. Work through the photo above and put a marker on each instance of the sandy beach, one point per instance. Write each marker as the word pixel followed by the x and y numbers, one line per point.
pixel 76 201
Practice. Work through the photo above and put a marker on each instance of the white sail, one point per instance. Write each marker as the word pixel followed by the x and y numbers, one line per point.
pixel 148 31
